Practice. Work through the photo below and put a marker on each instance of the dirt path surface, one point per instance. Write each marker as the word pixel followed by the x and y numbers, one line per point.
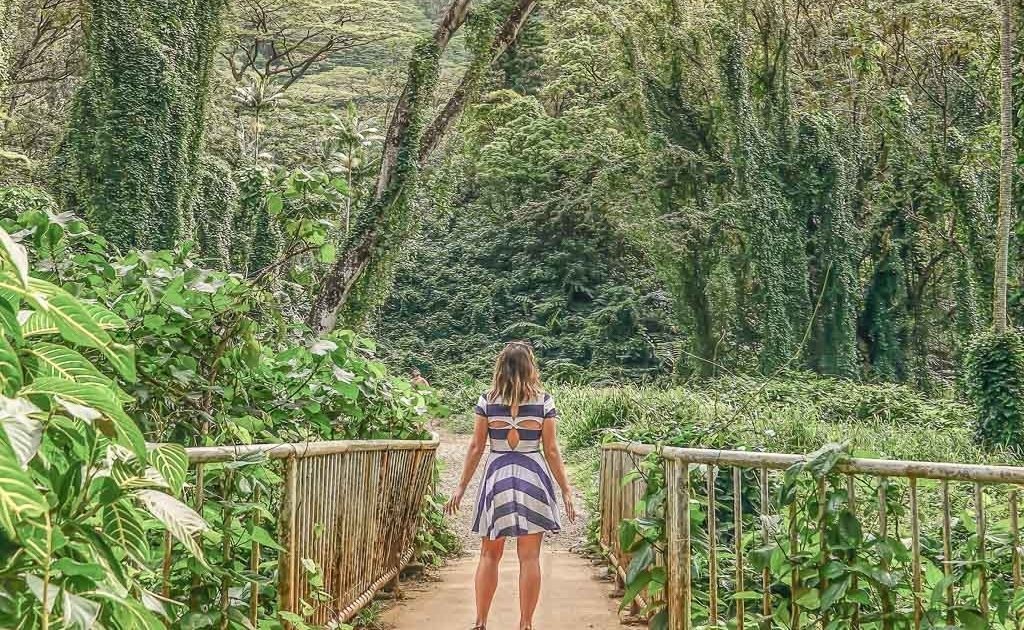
pixel 574 593
pixel 572 596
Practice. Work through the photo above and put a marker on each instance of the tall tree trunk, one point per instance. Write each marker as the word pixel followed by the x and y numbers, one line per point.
pixel 130 159
pixel 1006 161
pixel 9 11
pixel 407 146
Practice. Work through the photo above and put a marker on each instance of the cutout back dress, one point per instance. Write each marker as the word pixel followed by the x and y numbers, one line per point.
pixel 517 494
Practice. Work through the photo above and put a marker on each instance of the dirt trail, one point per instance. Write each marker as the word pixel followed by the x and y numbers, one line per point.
pixel 574 593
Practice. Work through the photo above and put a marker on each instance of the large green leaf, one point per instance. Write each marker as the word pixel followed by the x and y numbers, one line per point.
pixel 79 612
pixel 19 498
pixel 104 317
pixel 180 520
pixel 38 323
pixel 24 432
pixel 11 377
pixel 63 362
pixel 132 614
pixel 75 323
pixel 9 322
pixel 172 463
pixel 101 398
pixel 123 526
pixel 16 254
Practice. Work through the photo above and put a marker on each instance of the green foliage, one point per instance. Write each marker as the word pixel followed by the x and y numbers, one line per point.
pixel 526 254
pixel 18 199
pixel 995 383
pixel 133 148
pixel 217 362
pixel 9 10
pixel 79 489
pixel 798 413
pixel 214 211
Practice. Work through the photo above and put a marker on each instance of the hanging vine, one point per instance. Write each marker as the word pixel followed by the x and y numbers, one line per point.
pixel 777 238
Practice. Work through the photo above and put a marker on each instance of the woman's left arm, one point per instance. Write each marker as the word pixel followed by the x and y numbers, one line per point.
pixel 553 454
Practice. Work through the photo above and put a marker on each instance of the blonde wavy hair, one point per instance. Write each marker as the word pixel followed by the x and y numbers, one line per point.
pixel 516 377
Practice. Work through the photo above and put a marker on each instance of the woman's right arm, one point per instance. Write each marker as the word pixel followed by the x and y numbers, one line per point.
pixel 473 455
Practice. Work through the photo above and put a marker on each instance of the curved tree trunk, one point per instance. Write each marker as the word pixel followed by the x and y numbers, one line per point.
pixel 407 146
pixel 1006 161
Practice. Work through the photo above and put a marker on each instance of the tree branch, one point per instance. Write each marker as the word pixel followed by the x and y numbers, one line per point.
pixel 471 80
pixel 339 283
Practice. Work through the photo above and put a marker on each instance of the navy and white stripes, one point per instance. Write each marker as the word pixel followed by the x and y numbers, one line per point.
pixel 517 496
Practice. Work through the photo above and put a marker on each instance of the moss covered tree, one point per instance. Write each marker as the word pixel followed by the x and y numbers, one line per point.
pixel 995 363
pixel 133 148
pixel 8 17
pixel 213 212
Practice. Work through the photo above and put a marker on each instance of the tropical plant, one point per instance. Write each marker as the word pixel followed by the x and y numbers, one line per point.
pixel 80 489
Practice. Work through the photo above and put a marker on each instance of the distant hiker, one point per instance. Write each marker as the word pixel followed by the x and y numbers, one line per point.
pixel 418 380
pixel 517 492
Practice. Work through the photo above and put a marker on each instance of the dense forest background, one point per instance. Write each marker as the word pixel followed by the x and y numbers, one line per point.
pixel 642 188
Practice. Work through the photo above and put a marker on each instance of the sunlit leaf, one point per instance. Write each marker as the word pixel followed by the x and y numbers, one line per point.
pixel 122 525
pixel 180 520
pixel 19 498
pixel 24 432
pixel 16 253
pixel 172 463
pixel 79 612
pixel 89 395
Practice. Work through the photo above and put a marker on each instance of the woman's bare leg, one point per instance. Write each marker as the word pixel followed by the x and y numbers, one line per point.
pixel 528 548
pixel 487 577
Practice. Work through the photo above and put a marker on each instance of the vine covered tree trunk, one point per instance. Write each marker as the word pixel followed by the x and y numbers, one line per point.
pixel 360 278
pixel 130 159
pixel 1006 161
pixel 995 362
pixel 8 20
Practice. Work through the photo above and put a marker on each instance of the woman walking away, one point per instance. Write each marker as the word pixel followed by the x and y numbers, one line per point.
pixel 517 494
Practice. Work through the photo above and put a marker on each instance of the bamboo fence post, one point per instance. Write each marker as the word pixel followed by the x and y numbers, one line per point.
pixel 766 594
pixel 712 547
pixel 979 507
pixel 1015 542
pixel 915 545
pixel 947 551
pixel 287 559
pixel 737 511
pixel 677 527
pixel 254 566
pixel 226 484
pixel 851 499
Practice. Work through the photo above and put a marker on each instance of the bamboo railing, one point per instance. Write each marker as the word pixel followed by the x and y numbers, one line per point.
pixel 349 508
pixel 950 502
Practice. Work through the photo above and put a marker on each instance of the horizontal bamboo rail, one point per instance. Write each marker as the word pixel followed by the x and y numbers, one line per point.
pixel 349 508
pixel 852 466
pixel 897 484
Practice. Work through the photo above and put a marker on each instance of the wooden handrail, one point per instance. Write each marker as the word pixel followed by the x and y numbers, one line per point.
pixel 853 466
pixel 215 454
pixel 693 476
pixel 352 507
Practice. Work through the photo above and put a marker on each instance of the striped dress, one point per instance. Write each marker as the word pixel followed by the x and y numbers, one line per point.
pixel 517 495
